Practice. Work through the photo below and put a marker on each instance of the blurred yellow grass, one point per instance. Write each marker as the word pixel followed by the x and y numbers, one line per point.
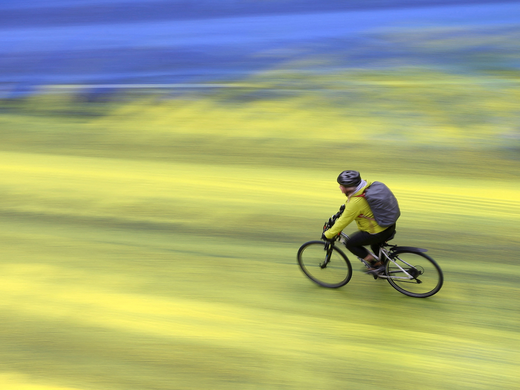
pixel 290 337
pixel 204 195
pixel 154 246
pixel 31 290
pixel 21 382
pixel 412 104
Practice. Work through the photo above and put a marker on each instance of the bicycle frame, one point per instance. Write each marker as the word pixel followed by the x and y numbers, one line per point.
pixel 385 255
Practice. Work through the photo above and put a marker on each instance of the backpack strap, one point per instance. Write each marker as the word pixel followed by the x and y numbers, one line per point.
pixel 363 194
pixel 370 220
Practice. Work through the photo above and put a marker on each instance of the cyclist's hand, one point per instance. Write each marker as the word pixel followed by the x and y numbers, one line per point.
pixel 329 240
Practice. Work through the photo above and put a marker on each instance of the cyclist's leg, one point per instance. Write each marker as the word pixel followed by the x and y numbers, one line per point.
pixel 357 242
pixel 384 236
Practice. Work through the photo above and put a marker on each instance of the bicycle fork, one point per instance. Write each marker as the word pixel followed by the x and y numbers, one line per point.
pixel 328 249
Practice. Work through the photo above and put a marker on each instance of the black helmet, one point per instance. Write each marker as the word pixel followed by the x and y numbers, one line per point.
pixel 349 178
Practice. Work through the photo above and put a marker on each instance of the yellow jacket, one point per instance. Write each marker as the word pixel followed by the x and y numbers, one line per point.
pixel 356 209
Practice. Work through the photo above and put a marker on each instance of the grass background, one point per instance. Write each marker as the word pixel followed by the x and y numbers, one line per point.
pixel 150 242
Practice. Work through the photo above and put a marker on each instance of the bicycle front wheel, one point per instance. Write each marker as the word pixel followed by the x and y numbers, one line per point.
pixel 414 274
pixel 332 274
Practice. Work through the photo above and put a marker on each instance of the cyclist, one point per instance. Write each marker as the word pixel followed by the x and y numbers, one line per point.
pixel 357 209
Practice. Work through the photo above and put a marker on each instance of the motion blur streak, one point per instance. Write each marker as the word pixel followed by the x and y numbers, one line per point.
pixel 162 162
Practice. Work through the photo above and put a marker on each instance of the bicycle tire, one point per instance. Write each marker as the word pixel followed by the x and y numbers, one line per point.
pixel 428 277
pixel 336 274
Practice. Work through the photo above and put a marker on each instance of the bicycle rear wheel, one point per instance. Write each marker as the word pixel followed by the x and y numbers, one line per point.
pixel 415 274
pixel 312 258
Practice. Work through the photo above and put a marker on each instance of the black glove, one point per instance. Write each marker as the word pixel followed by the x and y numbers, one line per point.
pixel 329 240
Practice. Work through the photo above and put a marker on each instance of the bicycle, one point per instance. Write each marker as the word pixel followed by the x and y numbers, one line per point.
pixel 408 269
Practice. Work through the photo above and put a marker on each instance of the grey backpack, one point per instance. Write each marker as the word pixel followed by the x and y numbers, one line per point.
pixel 383 203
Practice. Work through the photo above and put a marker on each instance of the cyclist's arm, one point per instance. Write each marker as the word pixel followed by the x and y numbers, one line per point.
pixel 349 214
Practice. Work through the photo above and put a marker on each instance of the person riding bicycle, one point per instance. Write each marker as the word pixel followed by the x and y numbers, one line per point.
pixel 357 209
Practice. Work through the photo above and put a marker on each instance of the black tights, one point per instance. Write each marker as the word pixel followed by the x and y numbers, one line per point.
pixel 359 239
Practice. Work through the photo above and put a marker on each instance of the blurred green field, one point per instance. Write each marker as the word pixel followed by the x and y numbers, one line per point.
pixel 150 243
